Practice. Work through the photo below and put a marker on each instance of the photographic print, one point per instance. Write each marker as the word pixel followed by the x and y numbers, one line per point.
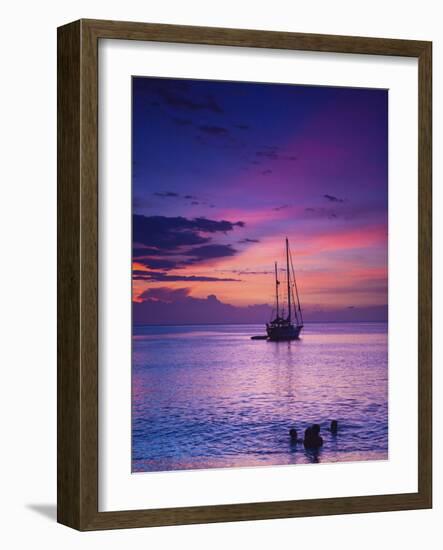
pixel 259 274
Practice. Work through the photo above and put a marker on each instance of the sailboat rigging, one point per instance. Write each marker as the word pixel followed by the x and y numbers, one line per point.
pixel 286 327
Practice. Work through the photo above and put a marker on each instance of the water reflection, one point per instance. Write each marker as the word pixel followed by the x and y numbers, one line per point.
pixel 211 397
pixel 313 455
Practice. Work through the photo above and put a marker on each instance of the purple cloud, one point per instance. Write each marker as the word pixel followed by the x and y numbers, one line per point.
pixel 175 306
pixel 173 98
pixel 332 198
pixel 214 130
pixel 156 276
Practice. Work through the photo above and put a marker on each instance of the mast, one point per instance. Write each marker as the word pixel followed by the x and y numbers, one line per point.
pixel 289 280
pixel 276 289
pixel 298 300
pixel 296 291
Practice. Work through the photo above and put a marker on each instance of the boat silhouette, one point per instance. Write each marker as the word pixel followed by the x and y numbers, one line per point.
pixel 286 327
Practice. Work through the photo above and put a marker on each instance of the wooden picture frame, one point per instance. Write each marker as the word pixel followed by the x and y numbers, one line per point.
pixel 78 274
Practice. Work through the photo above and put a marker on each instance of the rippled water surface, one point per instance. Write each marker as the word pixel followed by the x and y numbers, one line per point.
pixel 210 397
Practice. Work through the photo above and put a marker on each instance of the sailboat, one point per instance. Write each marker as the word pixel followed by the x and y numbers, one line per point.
pixel 286 327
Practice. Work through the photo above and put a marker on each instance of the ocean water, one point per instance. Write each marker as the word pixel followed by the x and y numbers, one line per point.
pixel 210 397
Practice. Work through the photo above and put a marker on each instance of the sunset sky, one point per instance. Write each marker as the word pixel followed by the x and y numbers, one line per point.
pixel 224 171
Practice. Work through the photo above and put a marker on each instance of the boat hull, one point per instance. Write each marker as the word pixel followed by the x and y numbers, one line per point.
pixel 281 333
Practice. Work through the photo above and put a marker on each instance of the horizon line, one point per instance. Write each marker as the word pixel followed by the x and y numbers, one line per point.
pixel 234 324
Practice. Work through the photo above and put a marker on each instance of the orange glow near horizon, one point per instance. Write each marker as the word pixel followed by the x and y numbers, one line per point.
pixel 324 273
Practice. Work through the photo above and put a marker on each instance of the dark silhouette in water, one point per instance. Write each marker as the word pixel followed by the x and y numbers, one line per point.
pixel 313 440
pixel 293 435
pixel 334 427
